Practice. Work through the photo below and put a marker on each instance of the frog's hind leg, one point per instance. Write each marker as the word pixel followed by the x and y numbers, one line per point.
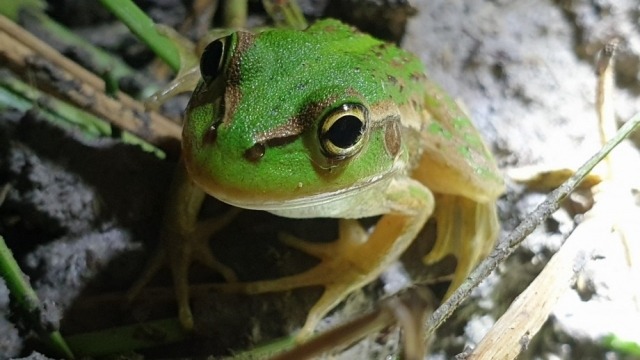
pixel 466 229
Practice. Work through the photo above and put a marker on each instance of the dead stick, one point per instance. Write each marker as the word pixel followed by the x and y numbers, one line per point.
pixel 38 62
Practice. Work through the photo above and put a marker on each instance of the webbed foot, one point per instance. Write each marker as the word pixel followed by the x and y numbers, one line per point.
pixel 338 271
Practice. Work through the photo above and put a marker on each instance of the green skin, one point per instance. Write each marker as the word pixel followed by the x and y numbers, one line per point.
pixel 258 135
pixel 284 82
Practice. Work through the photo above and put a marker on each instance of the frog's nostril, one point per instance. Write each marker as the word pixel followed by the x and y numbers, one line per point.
pixel 255 153
pixel 210 135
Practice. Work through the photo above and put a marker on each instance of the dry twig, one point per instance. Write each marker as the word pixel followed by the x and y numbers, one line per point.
pixel 40 63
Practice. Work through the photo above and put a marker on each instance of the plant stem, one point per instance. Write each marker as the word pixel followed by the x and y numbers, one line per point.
pixel 27 301
pixel 143 27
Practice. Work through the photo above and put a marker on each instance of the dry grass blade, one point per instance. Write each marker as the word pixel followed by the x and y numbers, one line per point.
pixel 408 309
pixel 51 71
pixel 512 332
pixel 510 335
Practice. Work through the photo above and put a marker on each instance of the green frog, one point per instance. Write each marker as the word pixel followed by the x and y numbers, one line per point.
pixel 328 122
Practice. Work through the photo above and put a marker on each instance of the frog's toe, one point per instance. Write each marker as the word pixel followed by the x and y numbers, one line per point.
pixel 338 278
pixel 179 270
pixel 158 260
pixel 331 297
pixel 335 267
pixel 194 246
pixel 467 230
pixel 180 249
pixel 351 234
pixel 336 272
pixel 180 274
pixel 201 251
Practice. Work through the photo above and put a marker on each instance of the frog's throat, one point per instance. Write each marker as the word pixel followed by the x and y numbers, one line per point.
pixel 301 205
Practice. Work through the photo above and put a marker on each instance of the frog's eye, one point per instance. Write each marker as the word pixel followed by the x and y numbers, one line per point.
pixel 212 59
pixel 342 131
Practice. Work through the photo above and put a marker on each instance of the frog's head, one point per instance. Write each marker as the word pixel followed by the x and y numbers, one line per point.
pixel 287 119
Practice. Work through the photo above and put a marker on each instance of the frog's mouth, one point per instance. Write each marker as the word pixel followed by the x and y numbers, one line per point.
pixel 337 203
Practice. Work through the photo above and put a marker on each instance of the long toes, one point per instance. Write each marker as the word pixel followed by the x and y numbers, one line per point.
pixel 206 257
pixel 158 260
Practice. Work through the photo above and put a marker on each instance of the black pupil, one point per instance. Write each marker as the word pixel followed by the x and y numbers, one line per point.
pixel 345 132
pixel 211 60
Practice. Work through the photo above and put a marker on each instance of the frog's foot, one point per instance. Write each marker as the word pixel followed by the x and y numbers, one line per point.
pixel 180 249
pixel 195 247
pixel 467 230
pixel 356 258
pixel 339 271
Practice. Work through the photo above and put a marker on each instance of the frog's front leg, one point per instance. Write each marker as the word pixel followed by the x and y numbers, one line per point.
pixel 355 260
pixel 184 239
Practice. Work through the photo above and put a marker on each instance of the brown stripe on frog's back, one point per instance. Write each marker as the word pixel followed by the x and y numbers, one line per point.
pixel 233 94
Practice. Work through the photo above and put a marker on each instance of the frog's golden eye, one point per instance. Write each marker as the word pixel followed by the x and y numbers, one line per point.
pixel 342 131
pixel 212 59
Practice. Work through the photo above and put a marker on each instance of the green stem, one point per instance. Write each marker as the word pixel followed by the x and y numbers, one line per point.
pixel 17 94
pixel 286 13
pixel 143 27
pixel 127 338
pixel 620 345
pixel 265 351
pixel 32 16
pixel 235 14
pixel 13 8
pixel 27 301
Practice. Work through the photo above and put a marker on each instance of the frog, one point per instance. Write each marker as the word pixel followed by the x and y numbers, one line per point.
pixel 327 122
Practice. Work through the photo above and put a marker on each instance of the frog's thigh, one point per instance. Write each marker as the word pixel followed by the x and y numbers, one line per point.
pixel 465 215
